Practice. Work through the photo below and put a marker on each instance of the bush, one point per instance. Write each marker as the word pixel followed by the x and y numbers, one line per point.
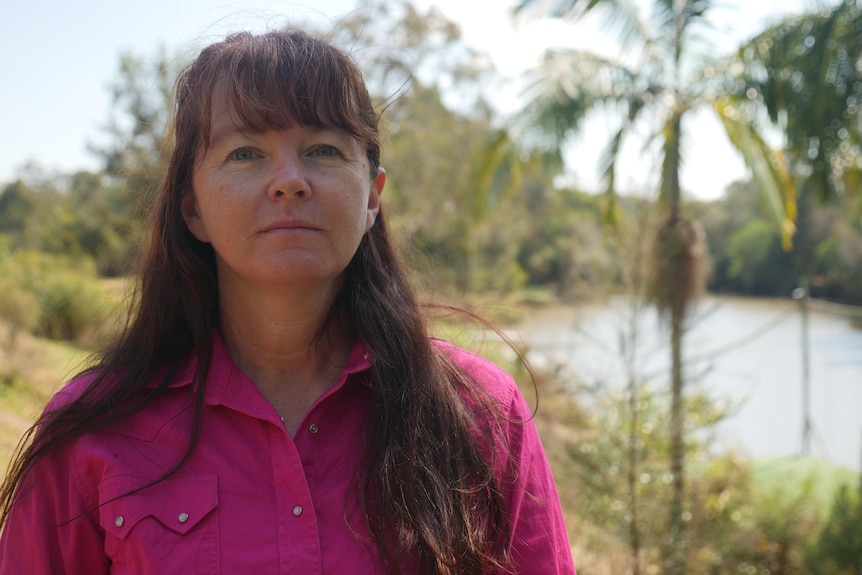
pixel 72 306
pixel 18 306
pixel 839 548
pixel 56 296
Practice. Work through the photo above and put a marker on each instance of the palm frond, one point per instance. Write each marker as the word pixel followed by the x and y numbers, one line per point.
pixel 497 174
pixel 806 72
pixel 567 86
pixel 622 18
pixel 674 18
pixel 610 156
pixel 768 166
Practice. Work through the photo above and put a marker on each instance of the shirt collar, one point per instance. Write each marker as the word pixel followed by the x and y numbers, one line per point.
pixel 223 371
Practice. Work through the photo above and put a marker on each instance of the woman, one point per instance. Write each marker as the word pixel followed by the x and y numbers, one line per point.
pixel 274 404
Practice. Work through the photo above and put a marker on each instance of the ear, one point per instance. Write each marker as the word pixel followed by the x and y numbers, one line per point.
pixel 374 194
pixel 189 211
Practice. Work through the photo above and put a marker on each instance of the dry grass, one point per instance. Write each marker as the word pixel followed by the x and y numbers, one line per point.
pixel 31 370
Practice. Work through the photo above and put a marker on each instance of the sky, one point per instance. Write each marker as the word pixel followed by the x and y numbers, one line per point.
pixel 60 57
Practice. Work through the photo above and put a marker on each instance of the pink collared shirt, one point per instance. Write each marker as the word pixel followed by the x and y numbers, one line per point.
pixel 251 499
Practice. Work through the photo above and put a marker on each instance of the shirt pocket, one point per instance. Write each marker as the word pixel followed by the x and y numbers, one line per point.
pixel 168 528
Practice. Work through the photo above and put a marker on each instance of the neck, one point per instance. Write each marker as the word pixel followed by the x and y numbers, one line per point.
pixel 286 341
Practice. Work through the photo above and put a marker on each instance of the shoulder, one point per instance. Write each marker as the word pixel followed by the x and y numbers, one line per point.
pixel 484 370
pixel 96 383
pixel 75 389
pixel 489 377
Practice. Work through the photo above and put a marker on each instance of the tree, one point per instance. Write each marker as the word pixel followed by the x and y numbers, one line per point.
pixel 806 72
pixel 138 142
pixel 80 214
pixel 659 83
pixel 26 213
pixel 450 168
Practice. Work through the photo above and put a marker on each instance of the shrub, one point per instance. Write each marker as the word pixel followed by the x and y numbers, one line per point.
pixel 18 306
pixel 57 296
pixel 72 306
pixel 839 548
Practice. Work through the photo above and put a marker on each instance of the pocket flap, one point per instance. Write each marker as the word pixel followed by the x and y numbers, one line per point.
pixel 178 503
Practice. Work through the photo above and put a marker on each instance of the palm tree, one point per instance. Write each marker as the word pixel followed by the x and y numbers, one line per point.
pixel 662 79
pixel 806 72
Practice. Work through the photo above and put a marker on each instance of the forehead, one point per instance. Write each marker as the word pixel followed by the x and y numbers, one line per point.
pixel 223 116
pixel 231 110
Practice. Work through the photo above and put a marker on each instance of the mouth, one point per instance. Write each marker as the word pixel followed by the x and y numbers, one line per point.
pixel 290 226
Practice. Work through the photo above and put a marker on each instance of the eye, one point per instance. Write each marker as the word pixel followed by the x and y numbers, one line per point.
pixel 325 151
pixel 242 155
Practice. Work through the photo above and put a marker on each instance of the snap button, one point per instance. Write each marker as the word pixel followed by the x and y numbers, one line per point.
pixel 119 521
pixel 183 517
pixel 312 428
pixel 297 510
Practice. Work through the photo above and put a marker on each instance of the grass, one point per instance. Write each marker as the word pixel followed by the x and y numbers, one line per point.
pixel 798 477
pixel 30 373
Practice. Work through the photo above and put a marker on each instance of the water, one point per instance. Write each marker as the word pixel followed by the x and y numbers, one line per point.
pixel 740 350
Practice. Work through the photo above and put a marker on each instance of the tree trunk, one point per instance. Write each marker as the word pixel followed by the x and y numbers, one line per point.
pixel 676 552
pixel 634 533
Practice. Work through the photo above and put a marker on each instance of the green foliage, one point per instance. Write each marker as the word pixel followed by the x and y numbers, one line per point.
pixel 747 256
pixel 456 183
pixel 770 531
pixel 71 305
pixel 748 249
pixel 738 519
pixel 138 143
pixel 624 495
pixel 18 306
pixel 838 550
pixel 59 296
pixel 27 214
pixel 564 246
pixel 79 215
pixel 805 71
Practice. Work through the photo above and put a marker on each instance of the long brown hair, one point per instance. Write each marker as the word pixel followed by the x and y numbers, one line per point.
pixel 429 494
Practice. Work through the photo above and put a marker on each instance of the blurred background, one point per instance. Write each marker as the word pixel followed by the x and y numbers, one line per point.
pixel 658 201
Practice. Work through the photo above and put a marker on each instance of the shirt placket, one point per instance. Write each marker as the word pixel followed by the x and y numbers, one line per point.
pixel 298 533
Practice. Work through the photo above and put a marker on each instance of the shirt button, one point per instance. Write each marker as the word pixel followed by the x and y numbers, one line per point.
pixel 313 428
pixel 183 517
pixel 297 510
pixel 119 521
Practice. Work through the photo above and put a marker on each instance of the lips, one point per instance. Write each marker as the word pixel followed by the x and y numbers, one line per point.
pixel 290 224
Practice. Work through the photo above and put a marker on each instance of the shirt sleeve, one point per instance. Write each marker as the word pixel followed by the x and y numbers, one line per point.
pixel 51 529
pixel 540 542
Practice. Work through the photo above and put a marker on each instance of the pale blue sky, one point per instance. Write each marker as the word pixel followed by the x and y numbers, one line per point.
pixel 59 58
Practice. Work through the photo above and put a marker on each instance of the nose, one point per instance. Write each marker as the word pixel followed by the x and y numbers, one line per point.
pixel 288 179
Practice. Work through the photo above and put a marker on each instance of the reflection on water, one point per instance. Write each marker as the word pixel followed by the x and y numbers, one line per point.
pixel 746 350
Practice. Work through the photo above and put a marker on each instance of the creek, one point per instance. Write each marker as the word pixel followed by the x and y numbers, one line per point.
pixel 743 351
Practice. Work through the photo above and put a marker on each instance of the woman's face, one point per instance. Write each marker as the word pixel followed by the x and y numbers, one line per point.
pixel 281 207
